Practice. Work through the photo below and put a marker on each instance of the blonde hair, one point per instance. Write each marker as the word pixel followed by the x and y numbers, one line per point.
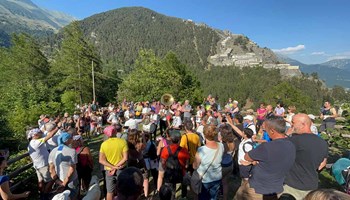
pixel 326 194
pixel 210 132
pixel 292 109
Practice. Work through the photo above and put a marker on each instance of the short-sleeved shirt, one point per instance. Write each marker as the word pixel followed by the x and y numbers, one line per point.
pixel 183 155
pixel 193 141
pixel 188 114
pixel 38 153
pixel 132 123
pixel 261 111
pixel 279 111
pixel 206 155
pixel 275 160
pixel 311 150
pixel 62 157
pixel 113 149
pixel 4 179
pixel 245 146
pixel 177 122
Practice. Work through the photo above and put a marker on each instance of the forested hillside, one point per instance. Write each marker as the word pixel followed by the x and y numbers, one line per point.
pixel 120 34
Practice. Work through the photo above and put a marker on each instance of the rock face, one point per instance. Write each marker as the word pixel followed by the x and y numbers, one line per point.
pixel 238 50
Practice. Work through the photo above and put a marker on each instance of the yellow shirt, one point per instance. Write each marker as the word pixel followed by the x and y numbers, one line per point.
pixel 193 142
pixel 113 149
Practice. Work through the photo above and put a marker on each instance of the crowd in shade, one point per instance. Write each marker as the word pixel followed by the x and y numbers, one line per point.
pixel 152 148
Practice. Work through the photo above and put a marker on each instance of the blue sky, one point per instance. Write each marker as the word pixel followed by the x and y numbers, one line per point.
pixel 307 30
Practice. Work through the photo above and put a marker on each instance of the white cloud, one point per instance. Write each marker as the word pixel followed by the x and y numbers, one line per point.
pixel 318 53
pixel 290 50
pixel 343 55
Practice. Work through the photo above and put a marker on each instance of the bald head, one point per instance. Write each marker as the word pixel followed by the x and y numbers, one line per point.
pixel 301 123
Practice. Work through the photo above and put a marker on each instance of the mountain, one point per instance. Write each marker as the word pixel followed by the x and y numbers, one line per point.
pixel 24 16
pixel 119 35
pixel 333 72
pixel 338 63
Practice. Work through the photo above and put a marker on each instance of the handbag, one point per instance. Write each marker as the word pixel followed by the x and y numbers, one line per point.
pixel 196 178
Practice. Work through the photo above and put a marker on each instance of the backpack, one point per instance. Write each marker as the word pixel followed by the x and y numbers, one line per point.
pixel 253 144
pixel 152 152
pixel 173 170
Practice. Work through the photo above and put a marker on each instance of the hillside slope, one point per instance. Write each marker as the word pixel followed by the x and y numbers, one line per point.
pixel 24 16
pixel 121 33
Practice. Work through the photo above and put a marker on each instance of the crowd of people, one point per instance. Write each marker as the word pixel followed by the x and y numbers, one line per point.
pixel 275 153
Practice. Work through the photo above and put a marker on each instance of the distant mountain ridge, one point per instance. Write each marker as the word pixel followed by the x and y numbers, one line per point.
pixel 24 16
pixel 333 72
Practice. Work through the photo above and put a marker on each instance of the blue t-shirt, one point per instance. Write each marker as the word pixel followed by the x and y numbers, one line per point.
pixel 275 160
pixel 3 179
pixel 266 137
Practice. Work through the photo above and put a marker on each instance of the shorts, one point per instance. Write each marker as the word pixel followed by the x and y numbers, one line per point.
pixel 111 181
pixel 160 168
pixel 43 174
pixel 245 171
pixel 151 164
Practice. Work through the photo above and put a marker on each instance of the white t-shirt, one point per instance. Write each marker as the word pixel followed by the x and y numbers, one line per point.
pixel 38 153
pixel 113 118
pixel 177 122
pixel 241 152
pixel 252 127
pixel 289 118
pixel 63 158
pixel 199 116
pixel 154 119
pixel 145 110
pixel 132 123
pixel 126 114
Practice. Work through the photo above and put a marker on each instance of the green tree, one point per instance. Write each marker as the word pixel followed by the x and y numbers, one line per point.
pixel 340 95
pixel 289 95
pixel 154 76
pixel 71 67
pixel 24 85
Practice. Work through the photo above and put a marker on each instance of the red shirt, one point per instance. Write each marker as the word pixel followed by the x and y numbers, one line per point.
pixel 183 155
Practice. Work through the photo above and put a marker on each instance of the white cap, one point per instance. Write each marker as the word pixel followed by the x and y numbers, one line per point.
pixel 235 102
pixel 248 117
pixel 312 116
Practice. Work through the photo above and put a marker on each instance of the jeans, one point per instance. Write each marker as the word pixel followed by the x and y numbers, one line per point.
pixel 210 190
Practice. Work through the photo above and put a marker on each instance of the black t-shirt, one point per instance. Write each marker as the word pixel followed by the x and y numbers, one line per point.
pixel 275 160
pixel 311 150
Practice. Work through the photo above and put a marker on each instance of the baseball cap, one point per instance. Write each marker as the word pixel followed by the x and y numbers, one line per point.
pixel 109 131
pixel 248 117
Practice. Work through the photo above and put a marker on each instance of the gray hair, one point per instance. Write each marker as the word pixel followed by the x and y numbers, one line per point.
pixel 49 126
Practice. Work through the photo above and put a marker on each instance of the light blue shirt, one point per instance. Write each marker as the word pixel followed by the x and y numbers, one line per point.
pixel 207 154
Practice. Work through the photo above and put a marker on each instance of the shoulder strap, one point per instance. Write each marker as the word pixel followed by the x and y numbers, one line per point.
pixel 81 149
pixel 188 145
pixel 169 151
pixel 177 151
pixel 250 143
pixel 216 153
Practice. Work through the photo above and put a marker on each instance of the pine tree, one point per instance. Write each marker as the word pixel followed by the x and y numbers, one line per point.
pixel 72 64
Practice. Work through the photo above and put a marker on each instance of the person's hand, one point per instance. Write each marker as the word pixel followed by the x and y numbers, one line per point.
pixel 112 172
pixel 245 163
pixel 26 194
